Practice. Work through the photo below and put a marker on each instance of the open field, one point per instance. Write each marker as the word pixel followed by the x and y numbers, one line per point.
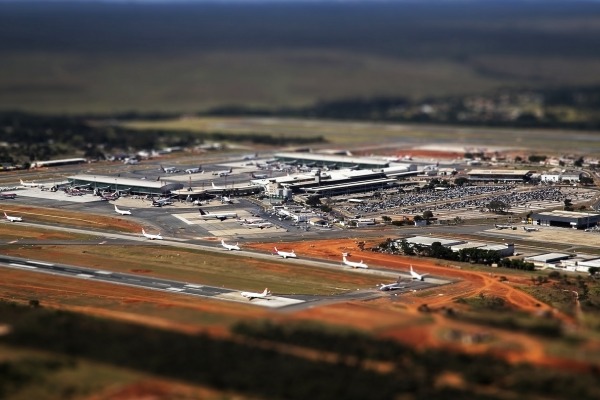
pixel 65 59
pixel 399 318
pixel 379 136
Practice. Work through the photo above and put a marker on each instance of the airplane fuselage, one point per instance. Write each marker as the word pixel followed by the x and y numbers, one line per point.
pixel 352 264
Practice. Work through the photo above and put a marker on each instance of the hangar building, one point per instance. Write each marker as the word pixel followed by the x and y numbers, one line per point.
pixel 566 219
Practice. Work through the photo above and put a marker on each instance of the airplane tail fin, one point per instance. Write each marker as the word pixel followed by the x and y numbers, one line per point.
pixel 143 231
pixel 266 292
pixel 5 215
pixel 275 248
pixel 411 268
pixel 22 183
pixel 202 212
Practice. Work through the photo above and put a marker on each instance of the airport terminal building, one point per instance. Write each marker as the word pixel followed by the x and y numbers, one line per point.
pixel 124 185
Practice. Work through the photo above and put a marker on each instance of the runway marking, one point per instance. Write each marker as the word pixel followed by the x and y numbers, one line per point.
pixel 22 266
pixel 40 263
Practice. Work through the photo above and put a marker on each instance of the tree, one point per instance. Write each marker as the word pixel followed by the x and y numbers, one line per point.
pixel 536 159
pixel 568 205
pixel 461 181
pixel 386 219
pixel 326 208
pixel 427 215
pixel 406 248
pixel 497 206
pixel 313 201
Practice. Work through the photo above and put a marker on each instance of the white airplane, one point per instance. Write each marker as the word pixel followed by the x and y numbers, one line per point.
pixel 252 220
pixel 150 236
pixel 253 295
pixel 161 202
pixel 226 199
pixel 391 286
pixel 260 225
pixel 13 219
pixel 169 170
pixel 29 184
pixel 503 226
pixel 259 176
pixel 225 172
pixel 230 246
pixel 122 212
pixel 285 254
pixel 414 275
pixel 194 170
pixel 530 229
pixel 352 264
pixel 220 216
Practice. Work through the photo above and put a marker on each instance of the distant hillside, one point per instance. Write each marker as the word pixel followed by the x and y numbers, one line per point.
pixel 107 57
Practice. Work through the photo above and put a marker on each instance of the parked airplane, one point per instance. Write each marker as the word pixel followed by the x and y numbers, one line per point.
pixel 169 170
pixel 221 216
pixel 414 275
pixel 226 199
pixel 161 202
pixel 230 246
pixel 391 286
pixel 252 220
pixel 259 176
pixel 194 170
pixel 29 184
pixel 150 236
pixel 260 225
pixel 252 295
pixel 530 229
pixel 225 172
pixel 13 219
pixel 285 254
pixel 4 196
pixel 109 197
pixel 122 212
pixel 352 264
pixel 502 226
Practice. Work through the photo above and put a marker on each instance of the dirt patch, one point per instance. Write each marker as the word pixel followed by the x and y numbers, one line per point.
pixel 472 283
pixel 73 219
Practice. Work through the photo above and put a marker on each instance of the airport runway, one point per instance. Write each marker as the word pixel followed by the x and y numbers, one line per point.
pixel 144 282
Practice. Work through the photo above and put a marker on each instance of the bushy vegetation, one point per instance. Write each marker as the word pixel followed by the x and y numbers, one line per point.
pixel 262 371
pixel 31 137
pixel 473 255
